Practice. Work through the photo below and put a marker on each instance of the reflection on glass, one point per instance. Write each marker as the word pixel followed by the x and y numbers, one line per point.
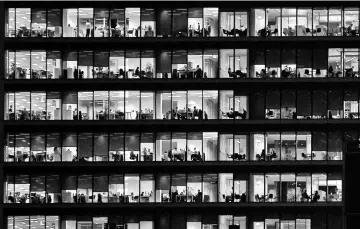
pixel 54 23
pixel 210 22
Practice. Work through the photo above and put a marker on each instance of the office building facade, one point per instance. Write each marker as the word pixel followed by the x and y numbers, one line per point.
pixel 180 115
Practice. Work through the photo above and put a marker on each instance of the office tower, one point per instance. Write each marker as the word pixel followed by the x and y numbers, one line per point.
pixel 180 115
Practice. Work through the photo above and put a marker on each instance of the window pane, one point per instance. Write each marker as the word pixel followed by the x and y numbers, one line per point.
pixel 117 22
pixel 23 17
pixel 210 20
pixel 70 22
pixel 54 26
pixel 86 24
pixel 101 23
pixel 148 22
pixel 38 22
pixel 132 22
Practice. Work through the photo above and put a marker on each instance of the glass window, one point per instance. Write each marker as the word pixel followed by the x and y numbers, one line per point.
pixel 22 105
pixel 132 146
pixel 225 187
pixel 163 146
pixel 210 63
pixel 86 64
pixel 116 188
pixel 273 104
pixel 304 22
pixel 334 187
pixel 226 105
pixel 70 64
pixel 303 187
pixel 101 147
pixel 38 65
pixel 227 61
pixel 53 147
pixel 179 146
pixel 334 103
pixel 100 194
pixel 257 63
pixel 10 64
pixel 241 63
pixel 304 104
pixel 241 106
pixel 163 188
pixel 288 146
pixel 352 63
pixel 319 187
pixel 288 63
pixel 241 23
pixel 69 147
pixel 179 105
pixel 164 22
pixel 10 190
pixel 101 64
pixel 210 22
pixel 70 105
pixel 194 106
pixel 319 145
pixel 147 64
pixel 101 22
pixel 319 104
pixel 240 187
pixel 147 146
pixel 85 190
pixel 21 220
pixel 194 188
pixel 147 188
pixel 273 62
pixel 86 22
pixel 37 147
pixel 22 189
pixel 53 64
pixel 195 64
pixel 38 106
pixel 38 22
pixel 132 64
pixel 227 22
pixel 303 146
pixel 195 22
pixel 117 22
pixel 23 19
pixel 288 104
pixel 10 147
pixel 70 22
pixel 22 147
pixel 351 21
pixel 210 105
pixel 54 23
pixel 289 22
pixel 210 146
pixel 273 20
pixel 10 22
pixel 85 147
pixel 335 62
pixel 304 63
pixel 132 22
pixel 258 22
pixel 52 221
pixel 335 22
pixel 86 105
pixel 257 146
pixel 131 188
pixel 320 21
pixel 257 187
pixel 226 147
pixel 163 105
pixel 116 146
pixel 116 64
pixel 148 22
pixel 69 221
pixel 22 70
pixel 116 104
pixel 132 105
pixel 194 147
pixel 37 189
pixel 351 104
pixel 334 146
pixel 274 148
pixel 147 105
pixel 288 187
pixel 179 64
pixel 272 187
pixel 101 105
pixel 164 64
pixel 100 222
pixel 240 147
pixel 180 19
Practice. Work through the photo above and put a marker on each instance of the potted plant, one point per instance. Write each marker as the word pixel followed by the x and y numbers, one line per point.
pixel 149 70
